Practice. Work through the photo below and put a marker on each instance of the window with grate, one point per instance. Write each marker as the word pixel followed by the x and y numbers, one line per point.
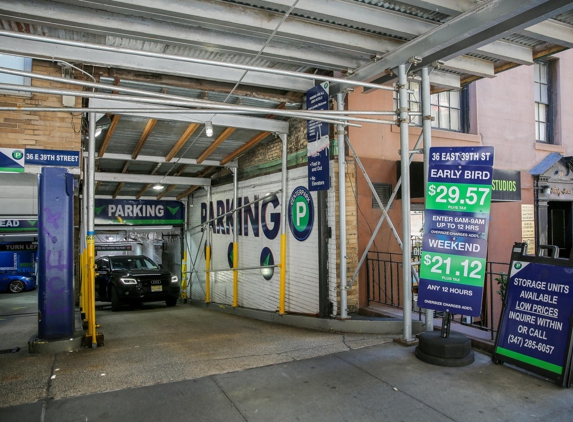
pixel 383 190
pixel 446 111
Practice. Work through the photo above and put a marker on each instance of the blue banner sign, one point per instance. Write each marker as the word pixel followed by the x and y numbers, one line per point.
pixel 454 247
pixel 18 226
pixel 318 140
pixel 138 213
pixel 535 327
pixel 49 157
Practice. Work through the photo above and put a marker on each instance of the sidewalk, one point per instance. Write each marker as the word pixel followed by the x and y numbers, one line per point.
pixel 378 383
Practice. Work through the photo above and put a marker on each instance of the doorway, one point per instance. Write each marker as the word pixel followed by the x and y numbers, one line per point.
pixel 560 227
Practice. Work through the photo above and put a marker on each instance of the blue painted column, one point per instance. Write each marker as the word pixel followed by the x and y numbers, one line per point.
pixel 55 254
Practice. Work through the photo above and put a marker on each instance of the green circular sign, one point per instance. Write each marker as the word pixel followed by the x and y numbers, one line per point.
pixel 17 155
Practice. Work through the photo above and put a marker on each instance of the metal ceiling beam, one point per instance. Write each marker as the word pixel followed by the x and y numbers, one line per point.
pixel 160 159
pixel 148 178
pixel 468 31
pixel 472 65
pixel 505 51
pixel 445 80
pixel 355 14
pixel 449 7
pixel 236 121
pixel 46 49
pixel 235 18
pixel 551 31
pixel 161 31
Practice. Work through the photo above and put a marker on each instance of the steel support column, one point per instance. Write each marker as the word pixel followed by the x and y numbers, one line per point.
pixel 208 249
pixel 427 134
pixel 405 167
pixel 342 210
pixel 235 241
pixel 90 238
pixel 283 263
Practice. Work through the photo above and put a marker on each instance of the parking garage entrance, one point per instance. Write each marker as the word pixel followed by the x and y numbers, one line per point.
pixel 141 227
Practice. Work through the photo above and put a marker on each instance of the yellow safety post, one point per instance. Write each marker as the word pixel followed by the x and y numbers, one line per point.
pixel 91 288
pixel 207 274
pixel 184 277
pixel 235 274
pixel 282 266
pixel 83 281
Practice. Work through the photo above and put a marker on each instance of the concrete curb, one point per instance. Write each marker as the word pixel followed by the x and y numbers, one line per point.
pixel 389 326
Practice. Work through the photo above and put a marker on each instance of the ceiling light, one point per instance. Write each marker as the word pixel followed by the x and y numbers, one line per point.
pixel 158 186
pixel 209 129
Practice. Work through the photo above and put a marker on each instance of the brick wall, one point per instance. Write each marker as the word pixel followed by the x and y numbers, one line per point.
pixel 272 150
pixel 47 130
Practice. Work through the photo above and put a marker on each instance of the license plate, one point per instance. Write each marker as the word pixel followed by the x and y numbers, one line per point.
pixel 156 288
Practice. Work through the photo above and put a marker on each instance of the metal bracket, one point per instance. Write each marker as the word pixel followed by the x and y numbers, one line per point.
pixel 438 64
pixel 430 118
pixel 415 60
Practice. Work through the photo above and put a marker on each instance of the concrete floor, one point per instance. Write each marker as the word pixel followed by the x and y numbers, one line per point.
pixel 187 363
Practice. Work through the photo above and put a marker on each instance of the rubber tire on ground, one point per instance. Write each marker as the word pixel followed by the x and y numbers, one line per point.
pixel 172 301
pixel 452 363
pixel 16 286
pixel 456 346
pixel 115 300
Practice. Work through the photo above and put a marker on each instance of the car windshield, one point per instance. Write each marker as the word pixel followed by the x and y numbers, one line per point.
pixel 132 263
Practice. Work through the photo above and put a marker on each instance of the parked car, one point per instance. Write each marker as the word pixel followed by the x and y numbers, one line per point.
pixel 17 282
pixel 131 279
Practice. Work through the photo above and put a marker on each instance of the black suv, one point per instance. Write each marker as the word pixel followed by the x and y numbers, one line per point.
pixel 133 278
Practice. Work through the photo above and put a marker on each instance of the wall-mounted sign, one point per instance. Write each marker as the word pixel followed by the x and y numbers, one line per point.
pixel 18 226
pixel 535 327
pixel 506 185
pixel 49 157
pixel 18 246
pixel 317 135
pixel 111 247
pixel 138 213
pixel 528 225
pixel 300 213
pixel 454 245
pixel 11 160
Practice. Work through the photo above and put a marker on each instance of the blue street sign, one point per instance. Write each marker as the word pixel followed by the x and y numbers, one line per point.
pixel 318 140
pixel 48 157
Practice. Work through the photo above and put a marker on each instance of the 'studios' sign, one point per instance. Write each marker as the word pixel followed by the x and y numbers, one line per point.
pixel 506 185
pixel 535 327
pixel 454 244
pixel 317 135
pixel 138 213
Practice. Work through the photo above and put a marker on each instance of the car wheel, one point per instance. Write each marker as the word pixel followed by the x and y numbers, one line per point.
pixel 16 286
pixel 115 300
pixel 172 301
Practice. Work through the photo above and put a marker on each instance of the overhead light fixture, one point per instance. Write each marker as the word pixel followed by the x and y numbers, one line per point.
pixel 102 124
pixel 209 129
pixel 158 186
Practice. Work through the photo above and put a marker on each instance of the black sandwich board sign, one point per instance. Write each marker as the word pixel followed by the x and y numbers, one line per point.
pixel 535 325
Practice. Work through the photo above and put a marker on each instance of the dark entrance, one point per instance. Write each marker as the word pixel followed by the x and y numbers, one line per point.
pixel 560 230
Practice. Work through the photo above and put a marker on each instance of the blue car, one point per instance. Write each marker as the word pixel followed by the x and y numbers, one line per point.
pixel 17 282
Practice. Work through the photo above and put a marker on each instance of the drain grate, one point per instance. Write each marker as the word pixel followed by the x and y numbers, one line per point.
pixel 6 351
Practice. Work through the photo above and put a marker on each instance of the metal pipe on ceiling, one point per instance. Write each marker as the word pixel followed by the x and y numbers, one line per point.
pixel 346 82
pixel 188 103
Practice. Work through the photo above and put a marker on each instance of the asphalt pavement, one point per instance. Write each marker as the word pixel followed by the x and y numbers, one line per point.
pixel 192 364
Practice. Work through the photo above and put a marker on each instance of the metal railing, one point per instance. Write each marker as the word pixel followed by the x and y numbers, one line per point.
pixel 384 285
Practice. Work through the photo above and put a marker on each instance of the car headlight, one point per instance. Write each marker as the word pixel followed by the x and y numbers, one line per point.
pixel 128 280
pixel 174 279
